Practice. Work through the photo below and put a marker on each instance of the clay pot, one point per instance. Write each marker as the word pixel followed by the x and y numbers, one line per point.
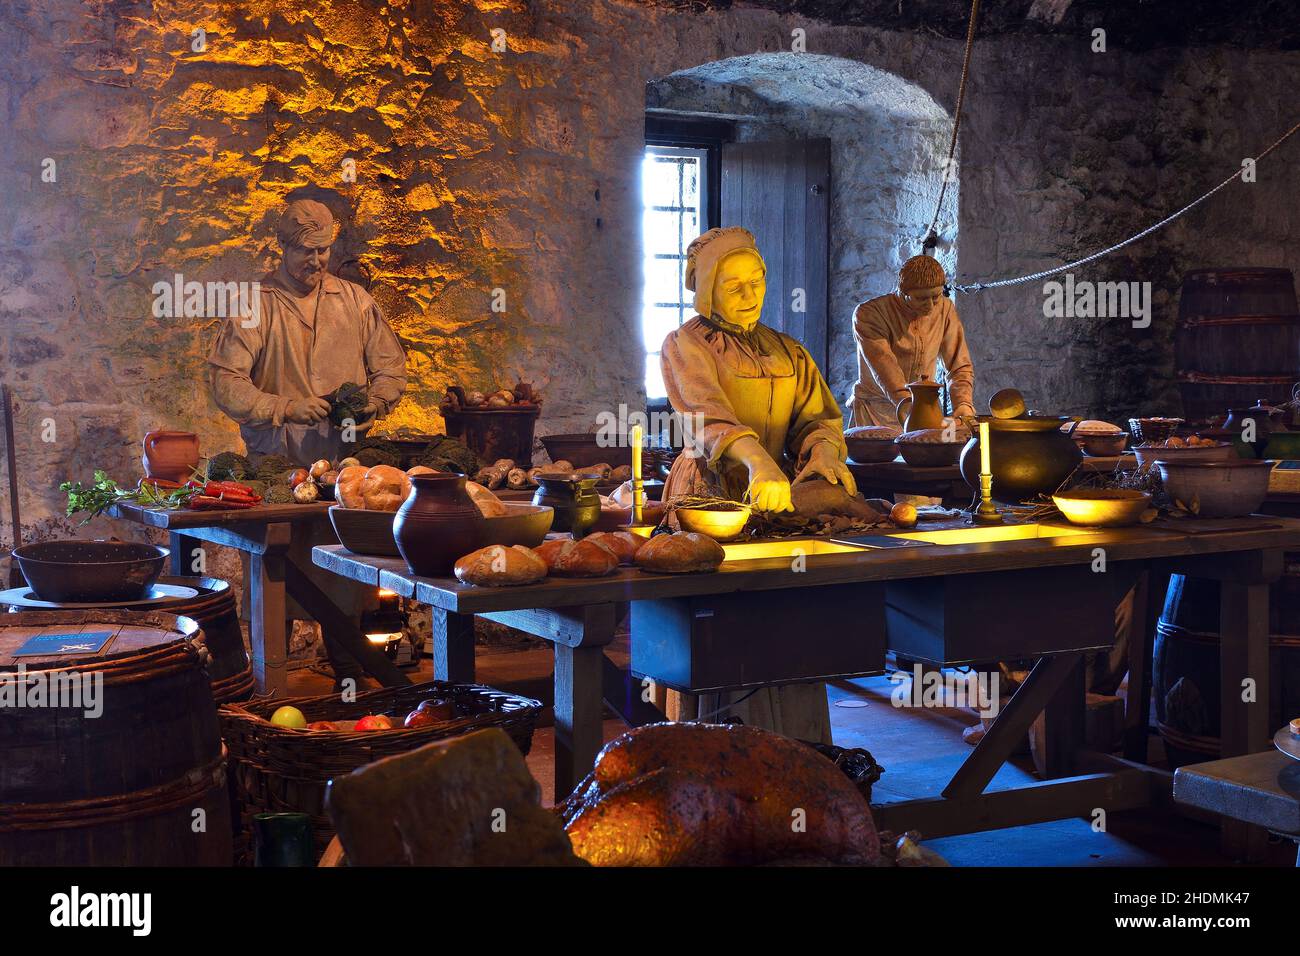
pixel 1029 456
pixel 437 524
pixel 171 456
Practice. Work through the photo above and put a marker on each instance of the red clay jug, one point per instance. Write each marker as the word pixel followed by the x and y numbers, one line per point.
pixel 171 456
pixel 436 524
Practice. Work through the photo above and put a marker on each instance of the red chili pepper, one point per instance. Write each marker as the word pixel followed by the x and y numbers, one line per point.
pixel 209 503
pixel 162 483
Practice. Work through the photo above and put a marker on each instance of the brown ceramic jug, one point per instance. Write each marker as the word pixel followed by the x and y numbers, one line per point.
pixel 171 456
pixel 436 524
pixel 922 410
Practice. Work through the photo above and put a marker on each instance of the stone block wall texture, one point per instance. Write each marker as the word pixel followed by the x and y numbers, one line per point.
pixel 479 170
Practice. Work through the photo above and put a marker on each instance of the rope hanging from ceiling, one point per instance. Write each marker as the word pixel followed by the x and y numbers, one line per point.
pixel 932 238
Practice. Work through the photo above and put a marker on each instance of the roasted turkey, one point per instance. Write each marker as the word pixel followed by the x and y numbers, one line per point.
pixel 687 794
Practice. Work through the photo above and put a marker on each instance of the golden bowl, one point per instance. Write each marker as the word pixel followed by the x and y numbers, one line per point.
pixel 1102 507
pixel 718 525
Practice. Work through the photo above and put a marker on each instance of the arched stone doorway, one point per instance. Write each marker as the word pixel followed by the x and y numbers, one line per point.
pixel 888 143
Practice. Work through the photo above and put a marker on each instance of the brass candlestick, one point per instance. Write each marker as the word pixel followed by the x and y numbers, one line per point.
pixel 987 512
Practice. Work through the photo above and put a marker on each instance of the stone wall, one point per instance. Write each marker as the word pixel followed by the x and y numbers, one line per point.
pixel 479 170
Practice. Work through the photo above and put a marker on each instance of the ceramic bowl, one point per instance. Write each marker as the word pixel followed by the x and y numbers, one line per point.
pixel 79 571
pixel 1217 489
pixel 931 454
pixel 522 524
pixel 1102 507
pixel 1147 457
pixel 718 525
pixel 868 450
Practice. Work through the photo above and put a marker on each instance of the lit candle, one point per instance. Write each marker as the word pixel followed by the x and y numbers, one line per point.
pixel 985 467
pixel 636 475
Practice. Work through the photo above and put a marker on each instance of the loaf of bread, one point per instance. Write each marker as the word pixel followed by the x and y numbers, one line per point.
pixel 488 504
pixel 578 559
pixel 683 552
pixel 497 566
pixel 379 488
pixel 624 544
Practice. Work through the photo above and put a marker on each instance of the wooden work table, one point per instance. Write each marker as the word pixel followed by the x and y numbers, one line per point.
pixel 277 539
pixel 1051 598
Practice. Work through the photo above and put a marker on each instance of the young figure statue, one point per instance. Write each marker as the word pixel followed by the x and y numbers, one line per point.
pixel 901 337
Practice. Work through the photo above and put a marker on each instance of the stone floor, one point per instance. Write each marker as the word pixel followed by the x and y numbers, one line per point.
pixel 919 750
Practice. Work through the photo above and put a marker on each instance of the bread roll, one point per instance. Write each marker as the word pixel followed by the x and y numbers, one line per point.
pixel 489 505
pixel 624 544
pixel 421 470
pixel 347 487
pixel 497 566
pixel 621 474
pixel 384 488
pixel 578 559
pixel 683 552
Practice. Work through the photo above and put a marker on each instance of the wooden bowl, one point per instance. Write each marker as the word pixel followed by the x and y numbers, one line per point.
pixel 867 450
pixel 365 532
pixel 84 571
pixel 1218 489
pixel 1149 455
pixel 525 524
pixel 1102 507
pixel 718 525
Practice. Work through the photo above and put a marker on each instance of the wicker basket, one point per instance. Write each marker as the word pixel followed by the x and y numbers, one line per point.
pixel 274 769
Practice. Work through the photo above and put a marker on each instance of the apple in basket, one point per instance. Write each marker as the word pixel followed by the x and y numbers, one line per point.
pixel 323 725
pixel 429 713
pixel 290 717
pixel 374 722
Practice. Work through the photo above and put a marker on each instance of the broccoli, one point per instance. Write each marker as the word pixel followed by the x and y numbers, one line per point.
pixel 272 467
pixel 348 403
pixel 278 495
pixel 228 466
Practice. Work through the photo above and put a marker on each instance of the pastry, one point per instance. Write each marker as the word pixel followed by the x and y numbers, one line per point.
pixel 1093 427
pixel 683 552
pixel 497 566
pixel 578 559
pixel 488 504
pixel 1295 727
pixel 421 470
pixel 624 544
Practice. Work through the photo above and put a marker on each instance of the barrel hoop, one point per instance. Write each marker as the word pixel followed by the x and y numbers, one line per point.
pixel 1200 321
pixel 1180 738
pixel 238 686
pixel 1204 378
pixel 1212 637
pixel 97 811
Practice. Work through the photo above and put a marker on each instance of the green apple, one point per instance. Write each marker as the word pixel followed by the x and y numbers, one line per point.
pixel 290 717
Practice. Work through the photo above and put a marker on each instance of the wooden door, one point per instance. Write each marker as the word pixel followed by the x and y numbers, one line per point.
pixel 780 191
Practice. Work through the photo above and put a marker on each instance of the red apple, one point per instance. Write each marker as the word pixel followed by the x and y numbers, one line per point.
pixel 421 718
pixel 440 709
pixel 374 722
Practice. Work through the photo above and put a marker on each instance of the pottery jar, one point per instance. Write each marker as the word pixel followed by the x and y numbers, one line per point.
pixel 436 524
pixel 171 456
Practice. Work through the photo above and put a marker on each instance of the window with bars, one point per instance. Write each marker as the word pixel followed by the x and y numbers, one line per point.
pixel 674 185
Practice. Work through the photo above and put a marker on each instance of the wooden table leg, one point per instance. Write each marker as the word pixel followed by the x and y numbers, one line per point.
pixel 182 548
pixel 579 714
pixel 1244 729
pixel 453 646
pixel 1063 723
pixel 266 622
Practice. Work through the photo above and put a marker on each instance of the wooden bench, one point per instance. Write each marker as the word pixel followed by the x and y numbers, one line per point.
pixel 1261 789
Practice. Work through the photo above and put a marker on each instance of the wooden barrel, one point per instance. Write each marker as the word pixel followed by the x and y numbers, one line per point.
pixel 1237 340
pixel 1186 671
pixel 107 757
